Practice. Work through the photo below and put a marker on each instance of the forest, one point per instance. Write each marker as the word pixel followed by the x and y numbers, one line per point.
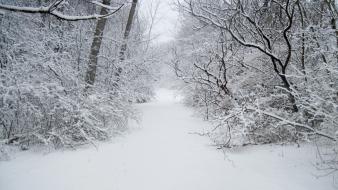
pixel 257 73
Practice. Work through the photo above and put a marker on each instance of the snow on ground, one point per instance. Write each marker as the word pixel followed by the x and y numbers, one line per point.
pixel 163 155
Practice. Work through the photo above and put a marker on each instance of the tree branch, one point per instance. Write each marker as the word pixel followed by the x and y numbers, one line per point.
pixel 299 125
pixel 51 9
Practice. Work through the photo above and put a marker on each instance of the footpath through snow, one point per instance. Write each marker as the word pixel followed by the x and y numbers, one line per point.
pixel 162 155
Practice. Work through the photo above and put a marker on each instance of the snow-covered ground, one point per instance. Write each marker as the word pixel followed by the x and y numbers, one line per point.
pixel 163 155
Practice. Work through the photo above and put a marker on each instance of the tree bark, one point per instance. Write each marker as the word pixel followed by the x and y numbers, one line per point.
pixel 125 40
pixel 302 19
pixel 96 45
pixel 128 29
pixel 332 5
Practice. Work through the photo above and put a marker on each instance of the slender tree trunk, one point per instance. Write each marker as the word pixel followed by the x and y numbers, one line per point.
pixel 303 39
pixel 127 30
pixel 125 40
pixel 96 45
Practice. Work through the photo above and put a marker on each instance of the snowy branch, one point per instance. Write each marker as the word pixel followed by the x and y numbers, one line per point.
pixel 104 6
pixel 51 9
pixel 299 125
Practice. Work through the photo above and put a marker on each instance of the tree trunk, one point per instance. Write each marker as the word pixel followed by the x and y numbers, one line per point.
pixel 302 19
pixel 96 45
pixel 127 30
pixel 334 13
pixel 125 40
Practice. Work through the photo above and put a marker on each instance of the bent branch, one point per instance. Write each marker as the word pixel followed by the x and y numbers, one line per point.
pixel 51 9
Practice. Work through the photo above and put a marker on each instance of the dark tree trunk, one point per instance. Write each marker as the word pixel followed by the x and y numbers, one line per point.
pixel 127 30
pixel 125 40
pixel 96 45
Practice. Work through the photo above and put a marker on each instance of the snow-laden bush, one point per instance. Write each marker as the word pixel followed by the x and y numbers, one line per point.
pixel 260 70
pixel 45 114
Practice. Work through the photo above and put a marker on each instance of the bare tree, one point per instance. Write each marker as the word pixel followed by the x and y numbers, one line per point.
pixel 250 29
pixel 152 14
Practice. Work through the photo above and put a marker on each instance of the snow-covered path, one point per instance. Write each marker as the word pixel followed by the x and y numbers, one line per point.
pixel 162 155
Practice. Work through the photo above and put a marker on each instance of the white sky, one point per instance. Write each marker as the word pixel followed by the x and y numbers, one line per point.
pixel 166 19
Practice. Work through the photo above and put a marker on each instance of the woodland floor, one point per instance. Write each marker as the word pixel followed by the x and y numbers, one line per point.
pixel 162 154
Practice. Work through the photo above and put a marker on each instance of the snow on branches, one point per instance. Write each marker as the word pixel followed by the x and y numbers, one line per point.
pixel 52 10
pixel 275 57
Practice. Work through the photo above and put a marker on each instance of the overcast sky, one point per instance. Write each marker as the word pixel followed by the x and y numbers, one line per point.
pixel 167 23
